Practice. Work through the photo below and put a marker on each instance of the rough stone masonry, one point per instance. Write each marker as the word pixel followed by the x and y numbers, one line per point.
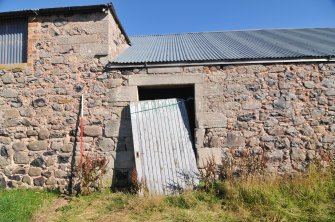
pixel 283 111
pixel 39 101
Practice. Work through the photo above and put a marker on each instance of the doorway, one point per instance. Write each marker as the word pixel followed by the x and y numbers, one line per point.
pixel 185 92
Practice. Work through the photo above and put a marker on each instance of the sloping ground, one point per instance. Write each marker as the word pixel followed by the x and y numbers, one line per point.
pixel 311 198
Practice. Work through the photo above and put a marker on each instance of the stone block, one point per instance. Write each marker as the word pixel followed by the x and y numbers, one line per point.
pixel 291 131
pixel 34 171
pixel 8 78
pixel 214 90
pixel 14 177
pixel 329 83
pixel 46 174
pixel 234 140
pixel 38 162
pixel 38 145
pixel 19 146
pixel 4 151
pixel 231 106
pixel 19 170
pixel 11 114
pixel 123 94
pixel 57 145
pixel 213 120
pixel 5 140
pixel 43 134
pixel 113 83
pixel 77 39
pixel 39 181
pixel 39 102
pixel 282 143
pixel 277 69
pixel 318 113
pixel 276 155
pixel 93 131
pixel 106 144
pixel 275 131
pixel 279 104
pixel 26 179
pixel 116 128
pixel 328 139
pixel 63 158
pixel 298 154
pixel 51 181
pixel 214 142
pixel 194 69
pixel 309 84
pixel 60 174
pixel 165 70
pixel 3 183
pixel 21 157
pixel 199 137
pixel 247 117
pixel 26 112
pixel 298 121
pixel 3 162
pixel 253 142
pixel 94 49
pixel 9 93
pixel 205 154
pixel 329 92
pixel 67 148
pixel 251 105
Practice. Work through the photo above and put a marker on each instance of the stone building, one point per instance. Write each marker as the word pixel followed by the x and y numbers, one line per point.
pixel 268 94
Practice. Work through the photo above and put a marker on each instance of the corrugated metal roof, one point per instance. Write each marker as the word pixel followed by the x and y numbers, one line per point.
pixel 230 45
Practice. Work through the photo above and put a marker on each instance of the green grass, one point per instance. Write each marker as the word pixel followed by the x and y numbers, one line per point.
pixel 20 205
pixel 308 198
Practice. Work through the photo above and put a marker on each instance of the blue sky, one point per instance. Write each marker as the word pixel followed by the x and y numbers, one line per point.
pixel 174 16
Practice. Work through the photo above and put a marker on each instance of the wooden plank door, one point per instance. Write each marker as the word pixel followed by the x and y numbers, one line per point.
pixel 164 156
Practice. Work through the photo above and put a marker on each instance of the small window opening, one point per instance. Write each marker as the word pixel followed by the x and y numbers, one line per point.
pixel 13 41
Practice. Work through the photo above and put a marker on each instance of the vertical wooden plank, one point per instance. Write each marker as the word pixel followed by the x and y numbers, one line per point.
pixel 164 155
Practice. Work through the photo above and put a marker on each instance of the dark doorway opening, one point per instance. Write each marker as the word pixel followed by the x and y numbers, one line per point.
pixel 167 92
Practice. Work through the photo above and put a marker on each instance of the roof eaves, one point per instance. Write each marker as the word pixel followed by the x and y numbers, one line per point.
pixel 115 65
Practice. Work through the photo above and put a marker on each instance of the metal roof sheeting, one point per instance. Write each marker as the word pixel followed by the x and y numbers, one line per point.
pixel 13 41
pixel 229 46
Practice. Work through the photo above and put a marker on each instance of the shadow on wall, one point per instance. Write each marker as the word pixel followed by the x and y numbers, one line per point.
pixel 124 161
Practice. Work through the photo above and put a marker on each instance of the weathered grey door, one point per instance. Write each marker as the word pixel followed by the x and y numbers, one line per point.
pixel 164 156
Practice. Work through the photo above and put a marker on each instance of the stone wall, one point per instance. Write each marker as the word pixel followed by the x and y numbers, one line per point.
pixel 278 117
pixel 39 103
pixel 285 113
